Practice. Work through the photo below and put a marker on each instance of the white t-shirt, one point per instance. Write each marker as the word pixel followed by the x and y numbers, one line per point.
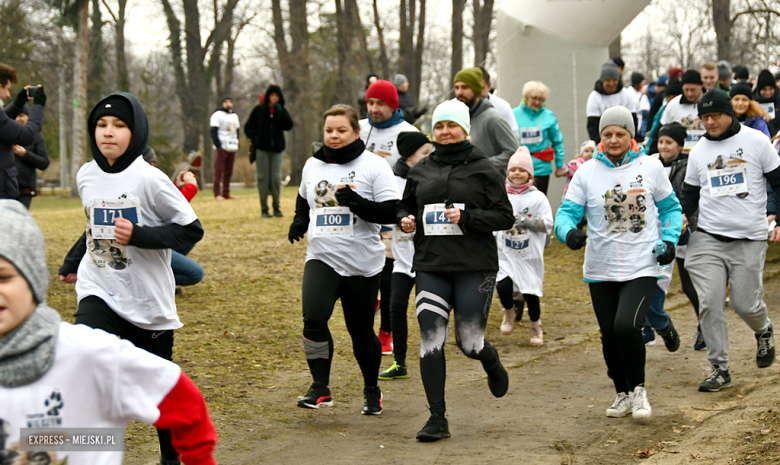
pixel 687 114
pixel 227 125
pixel 749 155
pixel 362 254
pixel 598 103
pixel 383 142
pixel 403 243
pixel 505 109
pixel 137 284
pixel 622 217
pixel 96 381
pixel 521 252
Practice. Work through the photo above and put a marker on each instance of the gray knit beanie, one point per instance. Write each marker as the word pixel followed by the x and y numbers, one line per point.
pixel 617 116
pixel 21 243
pixel 724 70
pixel 399 79
pixel 609 70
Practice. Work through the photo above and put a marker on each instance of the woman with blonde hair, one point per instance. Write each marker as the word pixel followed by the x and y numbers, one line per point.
pixel 539 131
pixel 747 110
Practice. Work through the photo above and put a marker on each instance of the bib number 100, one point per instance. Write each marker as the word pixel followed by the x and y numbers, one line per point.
pixel 332 220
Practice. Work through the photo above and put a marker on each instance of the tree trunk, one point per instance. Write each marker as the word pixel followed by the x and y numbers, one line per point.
pixel 457 39
pixel 80 70
pixel 614 47
pixel 483 21
pixel 122 77
pixel 198 93
pixel 406 40
pixel 365 63
pixel 384 62
pixel 721 21
pixel 97 68
pixel 61 101
pixel 418 54
pixel 344 53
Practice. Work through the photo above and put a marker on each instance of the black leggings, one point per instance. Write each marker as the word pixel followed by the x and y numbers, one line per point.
pixel 399 303
pixel 95 313
pixel 621 308
pixel 506 290
pixel 542 183
pixel 687 285
pixel 386 292
pixel 470 294
pixel 321 288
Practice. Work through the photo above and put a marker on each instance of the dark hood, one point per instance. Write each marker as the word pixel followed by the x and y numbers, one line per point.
pixel 369 76
pixel 222 100
pixel 599 87
pixel 274 90
pixel 138 141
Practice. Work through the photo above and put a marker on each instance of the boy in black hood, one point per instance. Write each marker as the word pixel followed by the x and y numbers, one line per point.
pixel 135 216
pixel 265 128
pixel 768 95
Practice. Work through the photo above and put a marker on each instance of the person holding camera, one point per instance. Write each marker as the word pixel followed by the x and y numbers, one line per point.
pixel 29 158
pixel 13 133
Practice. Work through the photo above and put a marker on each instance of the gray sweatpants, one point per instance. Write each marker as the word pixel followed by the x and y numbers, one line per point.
pixel 712 264
pixel 268 174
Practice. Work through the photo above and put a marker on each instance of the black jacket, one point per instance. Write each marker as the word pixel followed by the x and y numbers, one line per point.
pixel 12 133
pixel 466 177
pixel 36 158
pixel 677 178
pixel 774 125
pixel 266 129
pixel 406 103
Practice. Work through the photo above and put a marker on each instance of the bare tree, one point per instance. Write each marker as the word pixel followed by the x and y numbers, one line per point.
pixel 457 38
pixel 122 77
pixel 410 50
pixel 384 62
pixel 80 71
pixel 483 21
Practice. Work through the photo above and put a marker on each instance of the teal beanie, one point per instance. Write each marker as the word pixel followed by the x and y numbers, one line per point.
pixel 453 110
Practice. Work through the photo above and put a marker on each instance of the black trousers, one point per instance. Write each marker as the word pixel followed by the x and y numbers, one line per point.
pixel 687 285
pixel 26 200
pixel 621 308
pixel 470 294
pixel 322 286
pixel 95 313
pixel 399 304
pixel 506 289
pixel 386 292
pixel 542 183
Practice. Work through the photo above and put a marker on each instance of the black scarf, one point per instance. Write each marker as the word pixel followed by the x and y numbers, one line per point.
pixel 343 155
pixel 452 154
pixel 401 169
pixel 732 131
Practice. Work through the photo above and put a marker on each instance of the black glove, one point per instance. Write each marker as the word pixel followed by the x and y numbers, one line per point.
pixel 21 99
pixel 576 239
pixel 346 197
pixel 297 230
pixel 252 154
pixel 40 97
pixel 668 256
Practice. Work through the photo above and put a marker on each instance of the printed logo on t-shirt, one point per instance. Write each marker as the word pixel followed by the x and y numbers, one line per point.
pixel 383 150
pixel 625 211
pixel 325 191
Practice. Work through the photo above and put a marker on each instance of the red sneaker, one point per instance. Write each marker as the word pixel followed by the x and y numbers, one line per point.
pixel 387 342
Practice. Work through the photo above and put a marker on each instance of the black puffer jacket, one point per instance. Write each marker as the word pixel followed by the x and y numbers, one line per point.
pixel 462 175
pixel 36 157
pixel 12 133
pixel 774 125
pixel 677 178
pixel 265 128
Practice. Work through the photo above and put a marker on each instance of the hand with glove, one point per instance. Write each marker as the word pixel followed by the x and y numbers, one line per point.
pixel 667 256
pixel 346 197
pixel 39 97
pixel 297 229
pixel 576 239
pixel 21 98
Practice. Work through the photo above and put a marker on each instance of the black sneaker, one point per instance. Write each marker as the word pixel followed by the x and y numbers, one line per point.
pixel 179 291
pixel 395 371
pixel 498 378
pixel 435 428
pixel 277 214
pixel 373 402
pixel 318 396
pixel 716 380
pixel 671 338
pixel 765 355
pixel 265 215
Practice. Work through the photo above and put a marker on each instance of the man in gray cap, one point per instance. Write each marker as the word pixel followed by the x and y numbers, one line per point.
pixel 607 93
pixel 405 101
pixel 724 75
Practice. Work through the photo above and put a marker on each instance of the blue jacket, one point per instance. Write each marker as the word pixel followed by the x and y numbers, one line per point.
pixel 551 135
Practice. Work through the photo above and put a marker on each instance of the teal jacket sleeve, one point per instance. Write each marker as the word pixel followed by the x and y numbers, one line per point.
pixel 670 214
pixel 556 139
pixel 569 216
pixel 654 128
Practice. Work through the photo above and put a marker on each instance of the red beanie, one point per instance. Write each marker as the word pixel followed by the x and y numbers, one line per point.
pixel 384 91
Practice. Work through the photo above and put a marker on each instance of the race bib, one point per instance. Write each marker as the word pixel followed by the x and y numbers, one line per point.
pixel 436 222
pixel 728 181
pixel 770 108
pixel 692 138
pixel 529 136
pixel 515 244
pixel 333 222
pixel 103 212
pixel 231 145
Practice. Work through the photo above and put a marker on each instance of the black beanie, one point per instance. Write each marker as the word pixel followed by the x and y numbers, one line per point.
pixel 765 79
pixel 117 106
pixel 674 130
pixel 636 78
pixel 673 89
pixel 618 60
pixel 742 88
pixel 715 101
pixel 225 97
pixel 691 77
pixel 409 142
pixel 741 72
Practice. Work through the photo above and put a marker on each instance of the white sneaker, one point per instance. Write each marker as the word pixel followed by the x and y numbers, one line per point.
pixel 537 335
pixel 621 407
pixel 508 325
pixel 640 405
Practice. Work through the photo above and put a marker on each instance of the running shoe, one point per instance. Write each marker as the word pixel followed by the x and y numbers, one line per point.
pixel 318 396
pixel 265 215
pixel 537 335
pixel 387 342
pixel 700 344
pixel 395 371
pixel 498 378
pixel 640 407
pixel 508 324
pixel 671 338
pixel 373 401
pixel 278 214
pixel 648 336
pixel 435 428
pixel 717 379
pixel 765 355
pixel 621 407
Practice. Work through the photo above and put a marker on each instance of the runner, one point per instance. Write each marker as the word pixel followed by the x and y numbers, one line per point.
pixel 124 282
pixel 608 92
pixel 620 264
pixel 521 249
pixel 726 183
pixel 52 372
pixel 748 111
pixel 346 193
pixel 413 147
pixel 453 201
pixel 682 109
pixel 768 95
